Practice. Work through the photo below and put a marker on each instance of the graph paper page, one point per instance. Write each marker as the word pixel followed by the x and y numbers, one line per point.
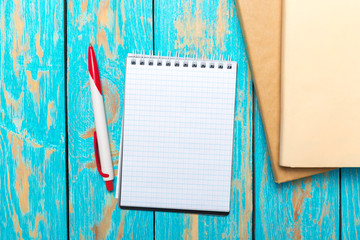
pixel 178 135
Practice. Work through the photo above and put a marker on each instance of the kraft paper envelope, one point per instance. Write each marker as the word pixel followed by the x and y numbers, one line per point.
pixel 261 24
pixel 320 84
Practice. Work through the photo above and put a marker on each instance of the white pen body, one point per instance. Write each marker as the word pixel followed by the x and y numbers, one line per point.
pixel 101 131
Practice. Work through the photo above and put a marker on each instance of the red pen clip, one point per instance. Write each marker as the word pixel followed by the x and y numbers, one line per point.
pixel 97 157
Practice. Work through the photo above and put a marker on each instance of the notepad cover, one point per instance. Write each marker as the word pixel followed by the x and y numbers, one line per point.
pixel 261 24
pixel 320 84
pixel 177 143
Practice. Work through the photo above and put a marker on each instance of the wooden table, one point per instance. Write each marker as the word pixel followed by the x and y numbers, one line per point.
pixel 49 187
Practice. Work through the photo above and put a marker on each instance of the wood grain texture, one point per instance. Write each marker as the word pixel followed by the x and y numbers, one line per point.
pixel 32 120
pixel 32 128
pixel 301 209
pixel 350 203
pixel 210 28
pixel 114 28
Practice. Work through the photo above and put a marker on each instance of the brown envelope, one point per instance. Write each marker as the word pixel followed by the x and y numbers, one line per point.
pixel 261 23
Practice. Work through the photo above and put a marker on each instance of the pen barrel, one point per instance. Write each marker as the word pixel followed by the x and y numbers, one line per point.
pixel 101 132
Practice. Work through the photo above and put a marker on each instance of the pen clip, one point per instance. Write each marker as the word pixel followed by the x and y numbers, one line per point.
pixel 97 157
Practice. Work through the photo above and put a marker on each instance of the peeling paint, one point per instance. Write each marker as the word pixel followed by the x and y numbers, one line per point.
pixel 298 197
pixel 26 60
pixel 33 85
pixel 71 208
pixel 122 225
pixel 14 218
pixel 51 109
pixel 191 232
pixel 142 23
pixel 123 18
pixel 38 218
pixel 113 149
pixel 103 41
pixel 49 152
pixel 195 227
pixel 324 213
pixel 105 19
pixel 17 122
pixel 88 134
pixel 88 165
pixel 19 44
pixel 81 237
pixel 101 229
pixel 263 185
pixel 34 144
pixel 239 112
pixel 39 50
pixel 83 18
pixel 10 101
pixel 222 26
pixel 118 38
pixel 23 172
pixel 246 174
pixel 191 31
pixel 71 7
pixel 105 14
pixel 84 5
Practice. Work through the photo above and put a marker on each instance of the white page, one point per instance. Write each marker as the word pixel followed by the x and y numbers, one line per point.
pixel 178 135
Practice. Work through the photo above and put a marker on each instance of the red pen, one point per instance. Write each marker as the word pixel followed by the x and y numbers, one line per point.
pixel 101 137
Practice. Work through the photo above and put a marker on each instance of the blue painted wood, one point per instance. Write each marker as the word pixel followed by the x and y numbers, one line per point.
pixel 301 209
pixel 32 120
pixel 114 28
pixel 32 128
pixel 210 28
pixel 350 203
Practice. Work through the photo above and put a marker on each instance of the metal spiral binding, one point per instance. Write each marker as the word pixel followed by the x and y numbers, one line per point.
pixel 186 61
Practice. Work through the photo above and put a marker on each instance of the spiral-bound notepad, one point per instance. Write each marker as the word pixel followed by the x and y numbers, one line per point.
pixel 177 139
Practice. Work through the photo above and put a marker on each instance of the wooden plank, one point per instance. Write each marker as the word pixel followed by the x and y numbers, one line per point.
pixel 32 120
pixel 114 28
pixel 211 28
pixel 302 209
pixel 350 203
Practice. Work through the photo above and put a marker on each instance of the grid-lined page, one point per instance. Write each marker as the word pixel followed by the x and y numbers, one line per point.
pixel 178 134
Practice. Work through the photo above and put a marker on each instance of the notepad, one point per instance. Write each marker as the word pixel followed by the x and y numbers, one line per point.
pixel 177 139
pixel 320 84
